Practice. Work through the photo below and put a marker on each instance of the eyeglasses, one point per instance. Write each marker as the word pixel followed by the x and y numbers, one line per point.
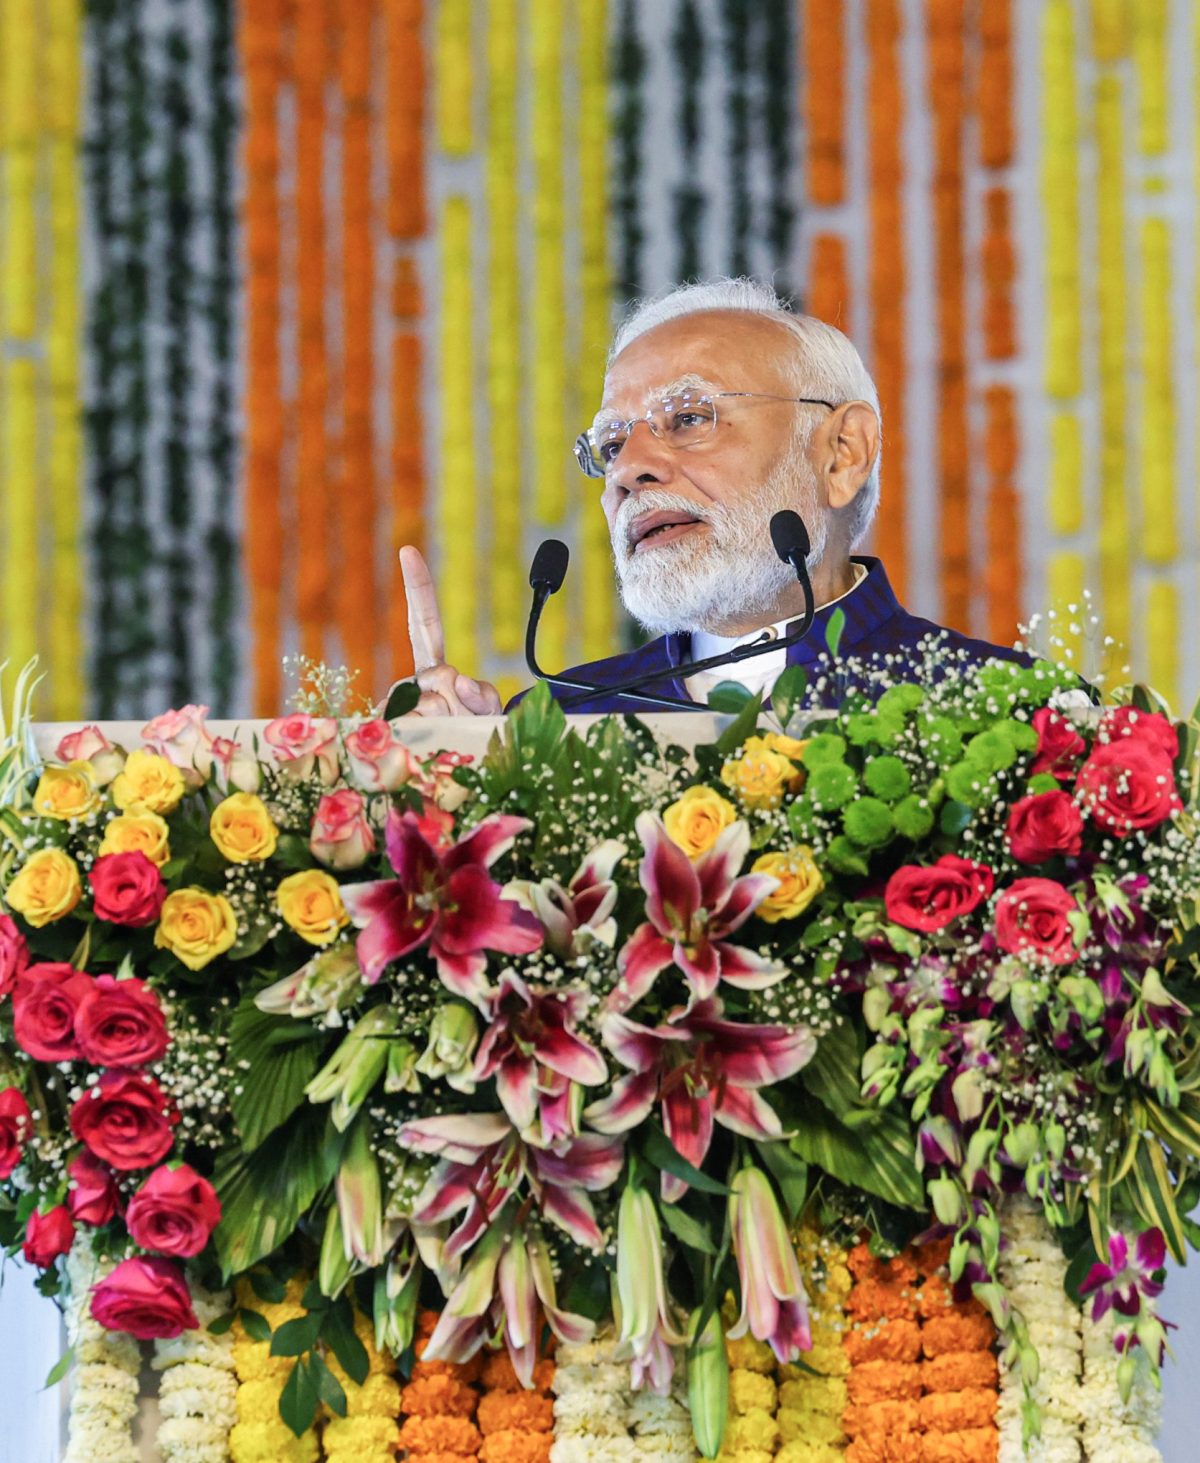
pixel 685 420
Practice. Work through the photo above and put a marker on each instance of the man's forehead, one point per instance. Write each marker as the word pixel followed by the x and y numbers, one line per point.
pixel 617 403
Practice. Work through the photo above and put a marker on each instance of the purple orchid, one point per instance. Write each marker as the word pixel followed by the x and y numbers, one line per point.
pixel 443 897
pixel 692 909
pixel 1120 1284
pixel 703 1070
pixel 484 1161
pixel 580 915
pixel 534 1054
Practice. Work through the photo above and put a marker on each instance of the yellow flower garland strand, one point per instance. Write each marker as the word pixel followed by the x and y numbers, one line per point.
pixel 454 72
pixel 811 1407
pixel 370 1432
pixel 456 499
pixel 260 1435
pixel 1060 200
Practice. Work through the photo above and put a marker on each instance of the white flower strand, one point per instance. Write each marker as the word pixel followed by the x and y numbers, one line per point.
pixel 591 1405
pixel 1115 1431
pixel 1032 1269
pixel 197 1393
pixel 104 1392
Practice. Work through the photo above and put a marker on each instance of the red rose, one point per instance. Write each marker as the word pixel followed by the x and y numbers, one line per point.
pixel 174 1212
pixel 1128 784
pixel 14 1129
pixel 1043 825
pixel 93 1196
pixel 127 889
pixel 1059 745
pixel 147 1298
pixel 47 1236
pixel 45 1002
pixel 125 1120
pixel 14 954
pixel 1032 919
pixel 1148 726
pixel 120 1024
pixel 931 898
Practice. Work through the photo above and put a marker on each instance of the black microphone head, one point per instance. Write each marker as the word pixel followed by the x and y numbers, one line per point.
pixel 789 535
pixel 549 567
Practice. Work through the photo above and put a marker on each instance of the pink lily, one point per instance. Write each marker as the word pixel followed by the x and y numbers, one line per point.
pixel 505 1287
pixel 443 897
pixel 580 915
pixel 703 1070
pixel 1121 1283
pixel 692 908
pixel 533 1052
pixel 774 1308
pixel 484 1161
pixel 649 1324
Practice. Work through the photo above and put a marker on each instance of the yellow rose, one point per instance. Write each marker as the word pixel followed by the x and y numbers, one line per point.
pixel 760 775
pixel 67 792
pixel 311 903
pixel 47 887
pixel 791 747
pixel 800 882
pixel 242 829
pixel 137 833
pixel 195 926
pixel 696 820
pixel 148 783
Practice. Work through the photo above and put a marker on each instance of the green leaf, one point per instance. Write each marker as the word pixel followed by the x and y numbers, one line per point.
pixel 1177 1126
pixel 790 1173
pixel 1077 1270
pixel 833 630
pixel 256 1326
pixel 264 1193
pixel 788 693
pixel 299 1399
pixel 273 1080
pixel 296 1337
pixel 742 726
pixel 267 1287
pixel 222 1324
pixel 728 696
pixel 403 696
pixel 834 1075
pixel 256 936
pixel 338 1332
pixel 878 1158
pixel 662 1153
pixel 60 1368
pixel 955 818
pixel 687 1229
pixel 1154 1197
pixel 292 852
pixel 329 1389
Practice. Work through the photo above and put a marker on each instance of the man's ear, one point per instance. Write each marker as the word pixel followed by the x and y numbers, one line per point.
pixel 853 447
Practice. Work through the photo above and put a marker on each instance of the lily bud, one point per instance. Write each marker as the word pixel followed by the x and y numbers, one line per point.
pixel 397 1287
pixel 708 1382
pixel 453 1037
pixel 360 1201
pixel 335 1267
pixel 348 1077
pixel 646 1323
pixel 401 1067
pixel 330 981
pixel 774 1306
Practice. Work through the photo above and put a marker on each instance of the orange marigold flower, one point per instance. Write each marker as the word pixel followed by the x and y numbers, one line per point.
pixel 436 1456
pixel 881 1447
pixel 936 1297
pixel 873 1298
pixel 866 1266
pixel 883 1340
pixel 881 1417
pixel 955 1332
pixel 460 1371
pixel 454 1435
pixel 972 1445
pixel 515 1411
pixel 426 1324
pixel 956 1370
pixel 438 1396
pixel 874 1381
pixel 517 1447
pixel 498 1374
pixel 932 1256
pixel 950 1412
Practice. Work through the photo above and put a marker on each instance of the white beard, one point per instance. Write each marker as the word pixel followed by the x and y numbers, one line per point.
pixel 701 581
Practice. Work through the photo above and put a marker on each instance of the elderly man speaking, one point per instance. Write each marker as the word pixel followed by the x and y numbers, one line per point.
pixel 721 407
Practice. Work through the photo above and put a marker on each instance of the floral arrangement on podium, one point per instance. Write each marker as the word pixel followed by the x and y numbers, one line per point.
pixel 814 1095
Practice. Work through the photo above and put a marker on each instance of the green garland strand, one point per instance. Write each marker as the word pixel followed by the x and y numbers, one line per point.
pixel 629 111
pixel 780 106
pixel 740 18
pixel 691 198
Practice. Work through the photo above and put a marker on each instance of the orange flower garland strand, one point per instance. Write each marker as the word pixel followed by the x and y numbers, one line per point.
pixel 439 1405
pixel 823 67
pixel 517 1424
pixel 828 284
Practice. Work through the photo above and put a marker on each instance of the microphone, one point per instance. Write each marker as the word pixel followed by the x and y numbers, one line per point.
pixel 549 567
pixel 790 539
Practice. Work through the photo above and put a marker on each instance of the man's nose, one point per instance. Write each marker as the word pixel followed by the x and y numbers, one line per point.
pixel 644 459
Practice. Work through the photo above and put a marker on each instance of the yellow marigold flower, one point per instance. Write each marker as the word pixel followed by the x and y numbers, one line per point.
pixel 814 1394
pixel 804 1450
pixel 807 1422
pixel 749 1390
pixel 755 1429
pixel 251 1442
pixel 754 1356
pixel 826 1357
pixel 137 833
pixel 196 926
pixel 745 1455
pixel 311 903
pixel 696 820
pixel 46 889
pixel 242 829
pixel 258 1396
pixel 356 1437
pixel 379 1396
pixel 148 783
pixel 800 881
pixel 760 775
pixel 67 792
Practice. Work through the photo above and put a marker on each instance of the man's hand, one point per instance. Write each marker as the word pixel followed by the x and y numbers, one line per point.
pixel 444 691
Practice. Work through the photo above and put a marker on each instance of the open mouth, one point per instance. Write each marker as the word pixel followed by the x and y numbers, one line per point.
pixel 654 529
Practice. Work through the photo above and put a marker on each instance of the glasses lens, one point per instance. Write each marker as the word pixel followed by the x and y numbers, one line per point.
pixel 688 419
pixel 585 457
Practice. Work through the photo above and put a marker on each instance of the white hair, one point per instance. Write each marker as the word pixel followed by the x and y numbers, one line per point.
pixel 824 363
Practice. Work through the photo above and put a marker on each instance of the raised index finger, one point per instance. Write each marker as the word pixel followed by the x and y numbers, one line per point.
pixel 424 618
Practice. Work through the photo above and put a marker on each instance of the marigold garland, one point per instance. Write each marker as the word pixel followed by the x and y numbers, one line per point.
pixel 823 62
pixel 811 1406
pixel 1060 201
pixel 517 1425
pixel 260 1435
pixel 369 1431
pixel 828 296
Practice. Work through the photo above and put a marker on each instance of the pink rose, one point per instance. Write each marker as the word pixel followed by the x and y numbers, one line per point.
pixel 127 889
pixel 15 1121
pixel 93 1197
pixel 14 954
pixel 182 738
pixel 120 1024
pixel 1059 745
pixel 1043 825
pixel 931 898
pixel 46 1000
pixel 1148 726
pixel 1032 918
pixel 235 767
pixel 299 741
pixel 89 744
pixel 174 1212
pixel 126 1120
pixel 1128 784
pixel 379 760
pixel 436 780
pixel 341 836
pixel 47 1236
pixel 148 1298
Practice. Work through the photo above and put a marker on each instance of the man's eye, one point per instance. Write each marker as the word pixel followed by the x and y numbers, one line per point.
pixel 609 448
pixel 687 419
